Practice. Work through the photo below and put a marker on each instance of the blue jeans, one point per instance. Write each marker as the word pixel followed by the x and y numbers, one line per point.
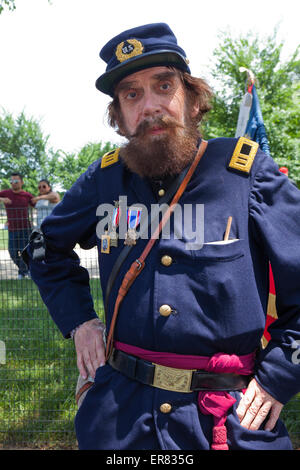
pixel 17 240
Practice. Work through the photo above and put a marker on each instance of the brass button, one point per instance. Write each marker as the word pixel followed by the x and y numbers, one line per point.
pixel 165 310
pixel 161 192
pixel 165 408
pixel 166 260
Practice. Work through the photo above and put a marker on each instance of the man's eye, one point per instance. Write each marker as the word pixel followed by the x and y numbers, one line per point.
pixel 165 86
pixel 131 95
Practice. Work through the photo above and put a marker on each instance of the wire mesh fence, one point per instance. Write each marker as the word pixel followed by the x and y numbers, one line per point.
pixel 38 372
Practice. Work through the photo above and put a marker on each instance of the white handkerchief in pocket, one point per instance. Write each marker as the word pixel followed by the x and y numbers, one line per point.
pixel 222 242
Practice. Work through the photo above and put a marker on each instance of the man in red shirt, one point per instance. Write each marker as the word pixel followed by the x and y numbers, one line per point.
pixel 16 203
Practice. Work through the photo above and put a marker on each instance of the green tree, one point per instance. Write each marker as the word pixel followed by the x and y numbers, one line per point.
pixel 278 88
pixel 71 166
pixel 7 3
pixel 24 148
pixel 10 4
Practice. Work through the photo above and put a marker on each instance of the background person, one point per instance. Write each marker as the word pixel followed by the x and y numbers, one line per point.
pixel 45 201
pixel 16 203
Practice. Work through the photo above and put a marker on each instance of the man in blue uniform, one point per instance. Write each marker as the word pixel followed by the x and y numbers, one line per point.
pixel 182 367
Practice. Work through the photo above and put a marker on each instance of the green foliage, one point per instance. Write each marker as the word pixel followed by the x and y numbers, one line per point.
pixel 7 3
pixel 24 149
pixel 72 165
pixel 278 88
pixel 10 4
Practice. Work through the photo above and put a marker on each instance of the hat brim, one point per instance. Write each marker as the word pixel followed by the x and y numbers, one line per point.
pixel 107 82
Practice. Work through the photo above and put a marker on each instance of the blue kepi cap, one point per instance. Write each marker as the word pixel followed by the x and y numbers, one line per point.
pixel 151 45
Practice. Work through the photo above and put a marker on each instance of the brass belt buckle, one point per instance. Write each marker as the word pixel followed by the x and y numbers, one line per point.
pixel 174 380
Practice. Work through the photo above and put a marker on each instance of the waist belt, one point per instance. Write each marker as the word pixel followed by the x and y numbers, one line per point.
pixel 172 379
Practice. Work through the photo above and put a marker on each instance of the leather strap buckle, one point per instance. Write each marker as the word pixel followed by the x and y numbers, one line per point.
pixel 172 379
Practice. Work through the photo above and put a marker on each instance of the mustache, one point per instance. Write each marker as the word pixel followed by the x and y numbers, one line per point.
pixel 163 122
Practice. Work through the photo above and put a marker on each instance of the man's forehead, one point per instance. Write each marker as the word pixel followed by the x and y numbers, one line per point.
pixel 150 73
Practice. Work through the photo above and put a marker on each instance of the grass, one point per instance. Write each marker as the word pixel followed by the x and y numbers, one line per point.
pixel 291 418
pixel 37 383
pixel 3 239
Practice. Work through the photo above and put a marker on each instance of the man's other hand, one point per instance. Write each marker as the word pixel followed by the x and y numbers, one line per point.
pixel 254 407
pixel 90 347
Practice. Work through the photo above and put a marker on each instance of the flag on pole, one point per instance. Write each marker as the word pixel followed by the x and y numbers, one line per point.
pixel 255 128
pixel 250 122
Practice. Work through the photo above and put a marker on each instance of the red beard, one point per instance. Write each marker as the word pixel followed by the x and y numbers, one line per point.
pixel 164 154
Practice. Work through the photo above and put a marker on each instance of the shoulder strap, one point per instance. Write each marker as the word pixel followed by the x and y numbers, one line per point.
pixel 110 158
pixel 243 155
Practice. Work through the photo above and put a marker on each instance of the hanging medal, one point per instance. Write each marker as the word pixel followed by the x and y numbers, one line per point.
pixel 105 243
pixel 114 224
pixel 133 220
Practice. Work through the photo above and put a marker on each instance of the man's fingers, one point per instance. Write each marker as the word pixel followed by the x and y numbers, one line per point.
pixel 274 415
pixel 251 413
pixel 91 361
pixel 255 406
pixel 245 402
pixel 100 351
pixel 87 363
pixel 81 367
pixel 261 416
pixel 96 355
pixel 90 348
pixel 97 352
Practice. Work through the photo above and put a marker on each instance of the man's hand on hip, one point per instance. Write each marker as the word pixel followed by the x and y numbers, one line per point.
pixel 254 407
pixel 90 347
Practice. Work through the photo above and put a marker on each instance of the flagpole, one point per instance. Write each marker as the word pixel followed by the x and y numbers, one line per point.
pixel 250 76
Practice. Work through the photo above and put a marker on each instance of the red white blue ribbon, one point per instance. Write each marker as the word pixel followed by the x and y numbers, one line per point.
pixel 133 217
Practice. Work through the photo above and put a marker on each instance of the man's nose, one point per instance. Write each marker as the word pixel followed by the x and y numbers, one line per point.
pixel 151 105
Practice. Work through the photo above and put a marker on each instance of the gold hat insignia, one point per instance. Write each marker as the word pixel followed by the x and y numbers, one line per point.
pixel 128 49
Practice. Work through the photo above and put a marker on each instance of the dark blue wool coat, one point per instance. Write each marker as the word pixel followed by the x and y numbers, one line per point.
pixel 218 295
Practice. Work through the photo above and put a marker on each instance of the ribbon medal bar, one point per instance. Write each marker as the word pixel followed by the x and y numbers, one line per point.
pixel 133 220
pixel 115 223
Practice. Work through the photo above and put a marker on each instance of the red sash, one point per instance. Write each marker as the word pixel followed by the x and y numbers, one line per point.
pixel 216 403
